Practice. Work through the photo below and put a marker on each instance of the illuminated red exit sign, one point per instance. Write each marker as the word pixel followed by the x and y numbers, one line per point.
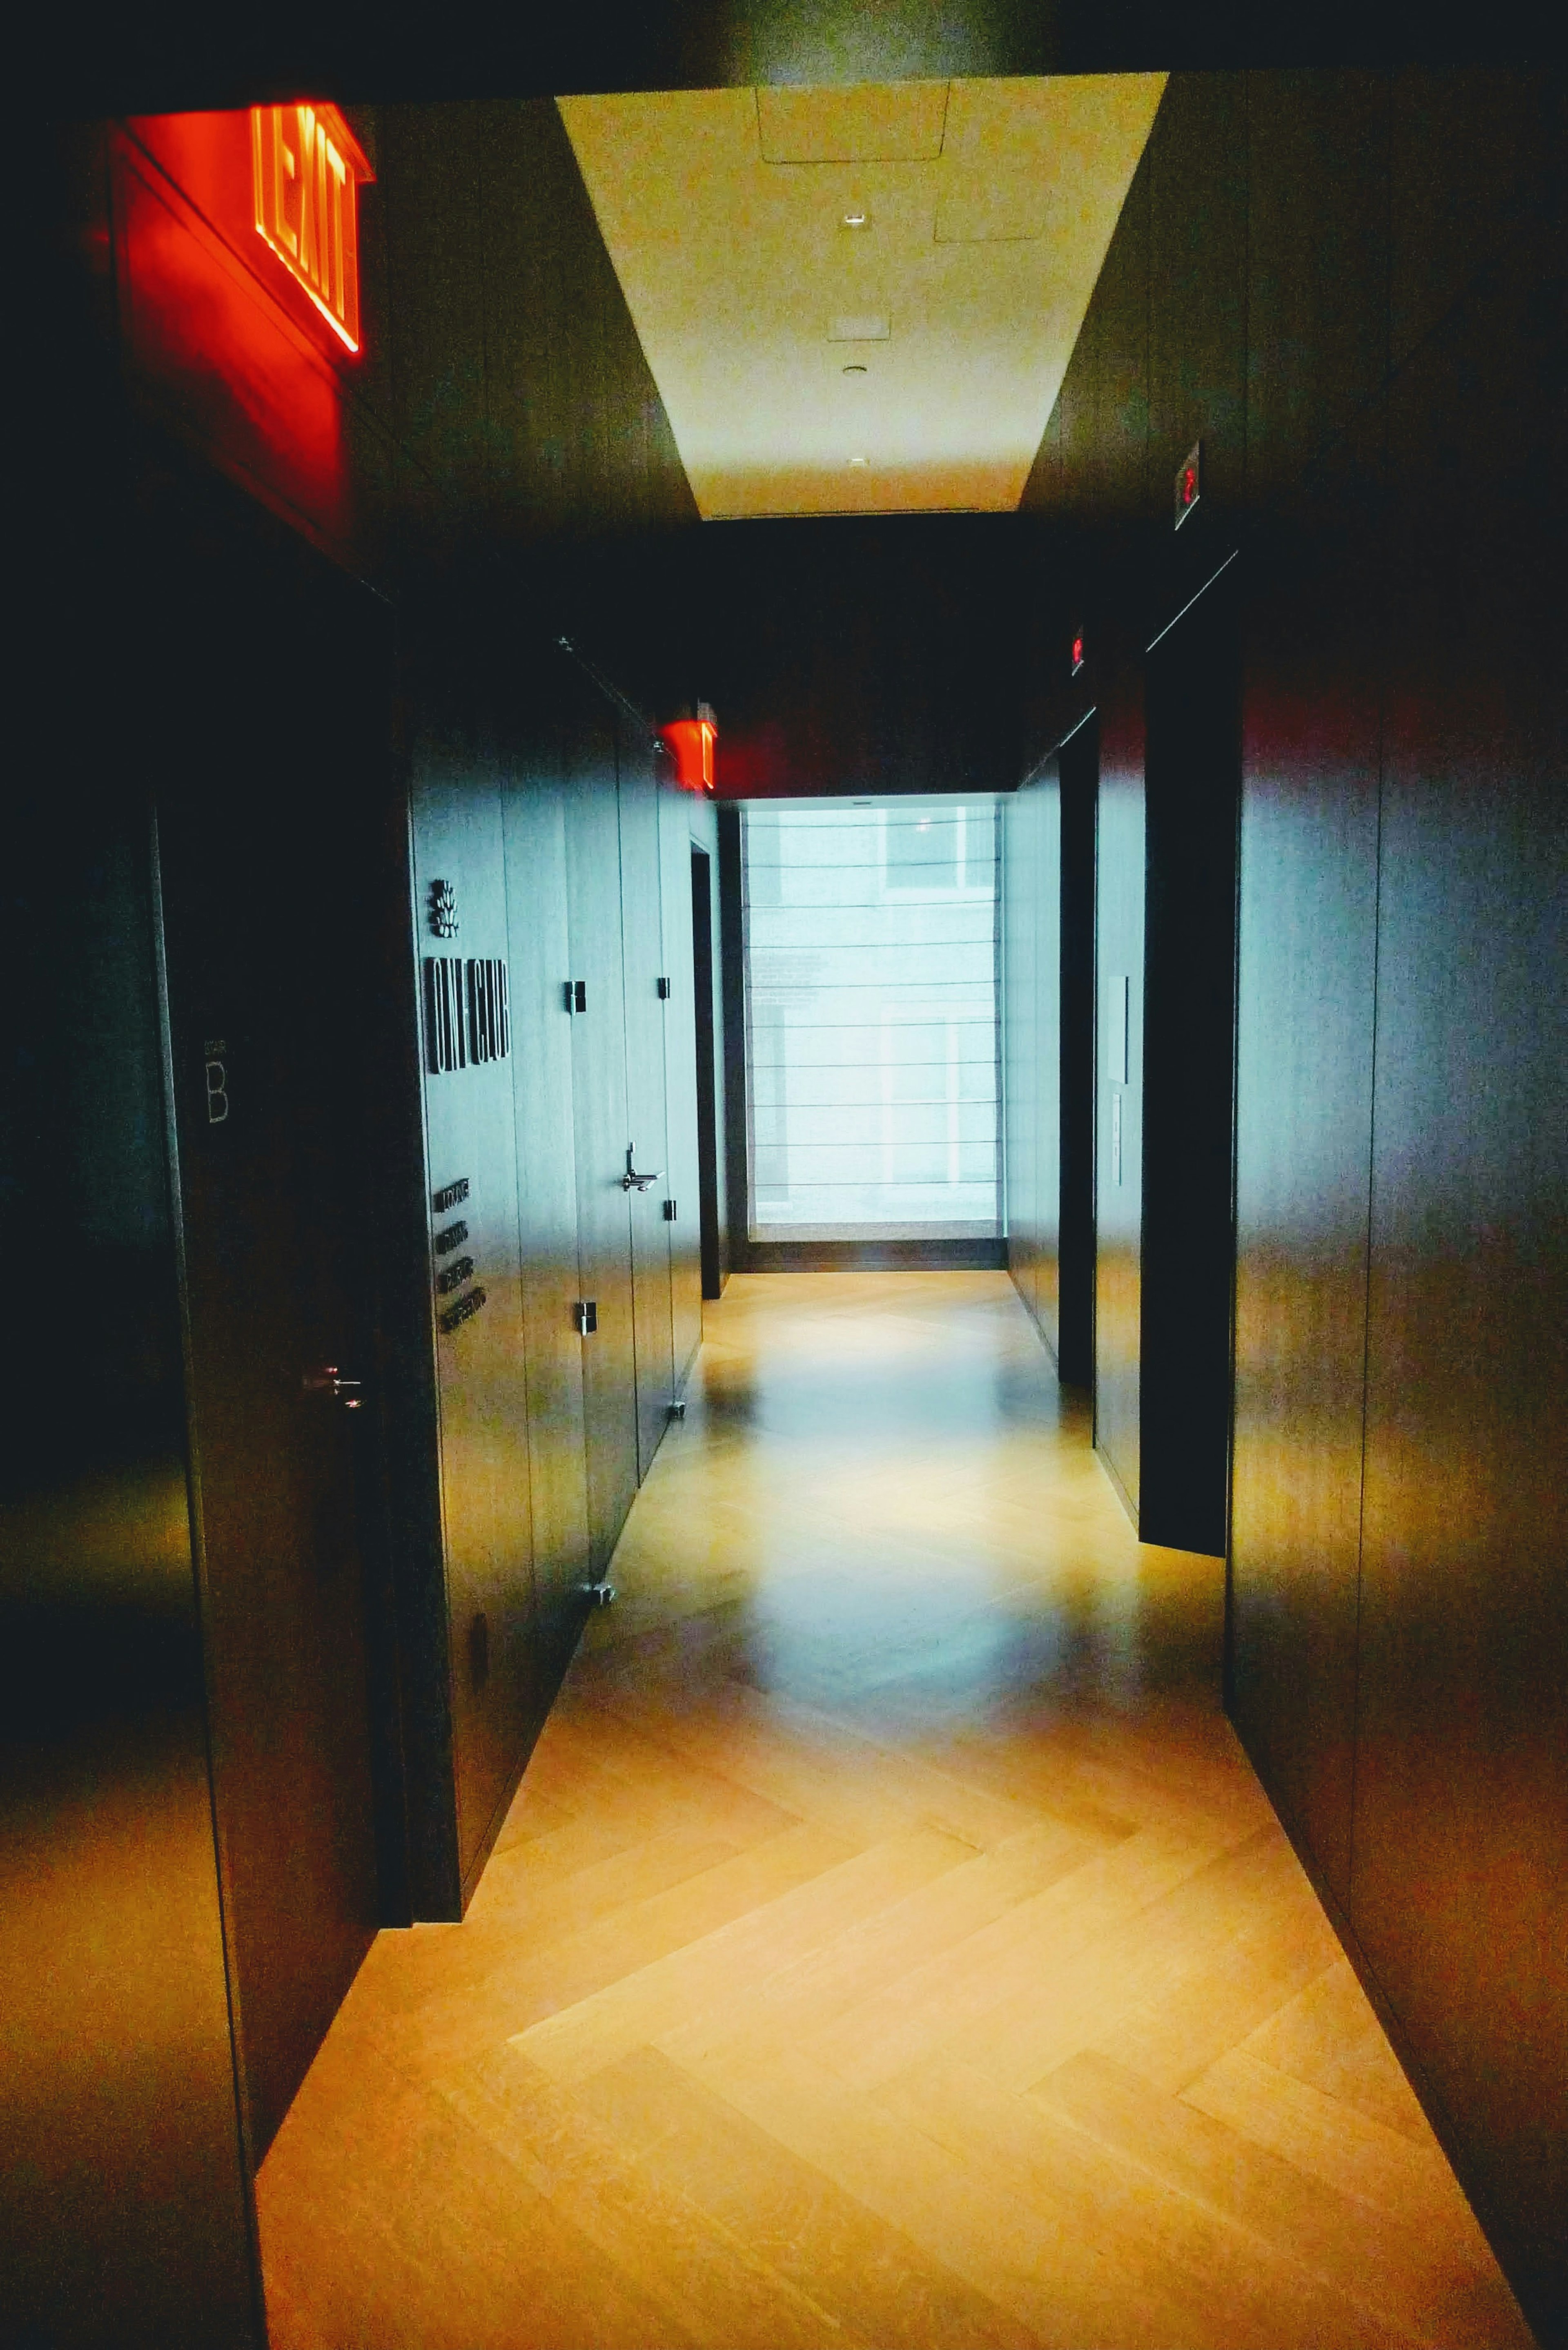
pixel 689 742
pixel 1188 483
pixel 306 167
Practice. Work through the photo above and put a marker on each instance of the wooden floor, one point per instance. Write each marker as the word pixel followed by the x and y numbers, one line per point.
pixel 890 1944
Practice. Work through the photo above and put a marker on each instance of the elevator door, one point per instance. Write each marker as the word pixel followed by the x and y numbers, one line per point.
pixel 1194 763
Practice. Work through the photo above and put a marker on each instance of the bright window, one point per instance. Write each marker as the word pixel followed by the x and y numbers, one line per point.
pixel 871 1019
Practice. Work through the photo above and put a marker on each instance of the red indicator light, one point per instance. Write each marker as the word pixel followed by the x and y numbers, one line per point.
pixel 690 741
pixel 1077 652
pixel 1188 483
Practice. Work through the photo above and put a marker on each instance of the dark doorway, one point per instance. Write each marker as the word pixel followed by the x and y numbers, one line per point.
pixel 269 791
pixel 1193 794
pixel 707 1089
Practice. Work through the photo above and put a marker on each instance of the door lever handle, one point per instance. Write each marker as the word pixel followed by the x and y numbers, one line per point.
pixel 632 1181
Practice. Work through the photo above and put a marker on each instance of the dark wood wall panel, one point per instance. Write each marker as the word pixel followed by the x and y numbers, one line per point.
pixel 1083 568
pixel 534 816
pixel 1351 285
pixel 1196 329
pixel 511 367
pixel 682 815
pixel 480 1377
pixel 123 2194
pixel 646 1100
pixel 277 1287
pixel 381 1601
pixel 1316 276
pixel 1192 792
pixel 1459 1869
pixel 1473 157
pixel 601 1127
pixel 1317 355
pixel 1111 444
pixel 1306 965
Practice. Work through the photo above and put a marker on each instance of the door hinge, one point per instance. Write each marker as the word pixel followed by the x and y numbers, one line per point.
pixel 586 1315
pixel 664 989
pixel 669 1211
pixel 575 992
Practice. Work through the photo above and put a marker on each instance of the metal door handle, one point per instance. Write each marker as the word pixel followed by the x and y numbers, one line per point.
pixel 632 1181
pixel 330 1380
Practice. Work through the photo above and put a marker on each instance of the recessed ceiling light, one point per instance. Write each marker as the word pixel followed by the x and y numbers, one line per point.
pixel 856 367
pixel 859 461
pixel 857 217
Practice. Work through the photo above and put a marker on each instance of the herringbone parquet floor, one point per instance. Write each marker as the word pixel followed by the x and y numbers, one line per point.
pixel 889 1946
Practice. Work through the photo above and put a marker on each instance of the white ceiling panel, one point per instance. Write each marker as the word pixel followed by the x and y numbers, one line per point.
pixel 939 240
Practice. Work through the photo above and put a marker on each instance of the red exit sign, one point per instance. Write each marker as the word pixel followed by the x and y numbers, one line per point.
pixel 306 167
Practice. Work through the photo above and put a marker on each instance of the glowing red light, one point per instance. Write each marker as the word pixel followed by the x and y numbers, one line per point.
pixel 1189 485
pixel 1077 652
pixel 690 742
pixel 305 165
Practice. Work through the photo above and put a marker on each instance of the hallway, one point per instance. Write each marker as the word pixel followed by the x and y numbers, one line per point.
pixel 888 1944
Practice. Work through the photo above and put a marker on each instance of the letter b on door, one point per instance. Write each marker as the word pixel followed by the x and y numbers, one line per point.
pixel 215 1066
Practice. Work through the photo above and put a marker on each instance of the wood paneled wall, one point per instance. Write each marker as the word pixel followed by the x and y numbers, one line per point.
pixel 512 372
pixel 567 849
pixel 1347 286
pixel 123 2193
pixel 345 1670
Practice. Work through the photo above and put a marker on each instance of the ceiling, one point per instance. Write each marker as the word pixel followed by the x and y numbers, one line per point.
pixel 861 300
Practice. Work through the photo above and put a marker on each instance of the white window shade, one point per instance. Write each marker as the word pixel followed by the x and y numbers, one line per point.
pixel 871 1019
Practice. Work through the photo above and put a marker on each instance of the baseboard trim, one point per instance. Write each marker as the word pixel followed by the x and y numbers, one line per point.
pixel 875 1256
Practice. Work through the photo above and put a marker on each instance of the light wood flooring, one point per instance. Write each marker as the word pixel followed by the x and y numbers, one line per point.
pixel 889 1946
